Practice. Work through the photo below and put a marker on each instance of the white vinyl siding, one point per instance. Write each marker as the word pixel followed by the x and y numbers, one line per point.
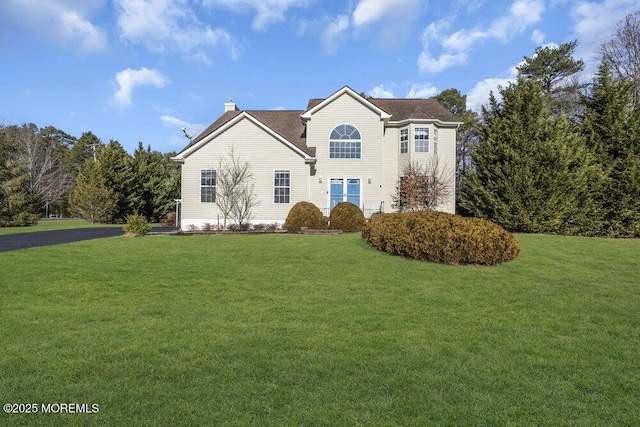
pixel 264 153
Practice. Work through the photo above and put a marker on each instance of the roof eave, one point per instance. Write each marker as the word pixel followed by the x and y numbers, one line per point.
pixel 205 140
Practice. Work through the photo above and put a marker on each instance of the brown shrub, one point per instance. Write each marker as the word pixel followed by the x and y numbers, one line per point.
pixel 441 237
pixel 347 217
pixel 304 214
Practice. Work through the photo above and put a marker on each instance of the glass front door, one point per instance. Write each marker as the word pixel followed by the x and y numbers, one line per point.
pixel 344 190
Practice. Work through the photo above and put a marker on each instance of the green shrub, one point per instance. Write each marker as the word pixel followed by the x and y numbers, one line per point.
pixel 441 237
pixel 347 217
pixel 304 214
pixel 137 225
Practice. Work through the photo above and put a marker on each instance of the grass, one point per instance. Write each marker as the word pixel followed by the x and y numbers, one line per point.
pixel 54 224
pixel 320 330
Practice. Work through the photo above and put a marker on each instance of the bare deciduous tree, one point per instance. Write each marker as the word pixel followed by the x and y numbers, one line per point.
pixel 235 195
pixel 622 52
pixel 48 181
pixel 424 186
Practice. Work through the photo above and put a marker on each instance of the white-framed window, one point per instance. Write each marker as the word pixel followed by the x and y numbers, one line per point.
pixel 435 140
pixel 404 141
pixel 421 140
pixel 208 186
pixel 345 143
pixel 282 186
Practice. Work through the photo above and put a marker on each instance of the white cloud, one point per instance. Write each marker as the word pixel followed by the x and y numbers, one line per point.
pixel 523 14
pixel 369 11
pixel 64 21
pixel 173 121
pixel 390 21
pixel 537 37
pixel 267 11
pixel 596 22
pixel 381 92
pixel 463 39
pixel 169 25
pixel 427 62
pixel 422 91
pixel 430 64
pixel 479 95
pixel 454 47
pixel 333 33
pixel 128 79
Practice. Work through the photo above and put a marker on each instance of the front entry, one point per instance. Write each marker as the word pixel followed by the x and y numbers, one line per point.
pixel 344 190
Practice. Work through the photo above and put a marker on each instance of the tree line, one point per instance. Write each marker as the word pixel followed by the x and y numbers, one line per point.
pixel 548 154
pixel 551 154
pixel 45 171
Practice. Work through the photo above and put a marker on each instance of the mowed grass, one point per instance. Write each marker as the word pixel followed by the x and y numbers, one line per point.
pixel 54 224
pixel 320 330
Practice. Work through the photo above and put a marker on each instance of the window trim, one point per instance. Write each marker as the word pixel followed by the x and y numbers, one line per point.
pixel 282 187
pixel 424 142
pixel 214 178
pixel 347 145
pixel 404 140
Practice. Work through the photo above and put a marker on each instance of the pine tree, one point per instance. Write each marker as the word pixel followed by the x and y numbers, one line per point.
pixel 611 129
pixel 555 69
pixel 531 170
pixel 116 167
pixel 91 198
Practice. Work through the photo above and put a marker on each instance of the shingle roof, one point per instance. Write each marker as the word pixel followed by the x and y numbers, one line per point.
pixel 414 108
pixel 288 124
pixel 406 108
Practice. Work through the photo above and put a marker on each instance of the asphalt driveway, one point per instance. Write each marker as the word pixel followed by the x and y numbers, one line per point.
pixel 12 242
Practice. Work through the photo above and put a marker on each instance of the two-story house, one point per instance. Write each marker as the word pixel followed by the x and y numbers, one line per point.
pixel 342 148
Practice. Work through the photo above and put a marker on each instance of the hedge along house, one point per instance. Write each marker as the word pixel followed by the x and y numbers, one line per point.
pixel 342 148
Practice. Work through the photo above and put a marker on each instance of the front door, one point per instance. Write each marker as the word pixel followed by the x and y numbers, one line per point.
pixel 344 190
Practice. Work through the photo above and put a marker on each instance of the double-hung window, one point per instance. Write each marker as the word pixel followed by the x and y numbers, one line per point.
pixel 282 186
pixel 404 141
pixel 208 186
pixel 345 143
pixel 421 140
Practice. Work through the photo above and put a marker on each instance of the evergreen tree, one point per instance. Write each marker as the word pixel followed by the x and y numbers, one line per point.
pixel 554 68
pixel 85 148
pixel 91 198
pixel 612 130
pixel 158 182
pixel 116 167
pixel 531 170
pixel 467 134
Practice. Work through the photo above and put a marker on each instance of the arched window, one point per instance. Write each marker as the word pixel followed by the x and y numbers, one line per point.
pixel 345 143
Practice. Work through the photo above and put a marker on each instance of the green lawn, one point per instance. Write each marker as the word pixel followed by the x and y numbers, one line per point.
pixel 320 330
pixel 54 224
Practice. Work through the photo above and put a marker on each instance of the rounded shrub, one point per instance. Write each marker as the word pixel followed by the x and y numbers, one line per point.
pixel 347 217
pixel 137 225
pixel 441 237
pixel 304 214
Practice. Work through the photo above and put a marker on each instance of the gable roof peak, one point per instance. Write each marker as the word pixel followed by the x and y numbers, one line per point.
pixel 345 90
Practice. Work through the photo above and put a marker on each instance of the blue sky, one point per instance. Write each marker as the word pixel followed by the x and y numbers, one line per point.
pixel 140 70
